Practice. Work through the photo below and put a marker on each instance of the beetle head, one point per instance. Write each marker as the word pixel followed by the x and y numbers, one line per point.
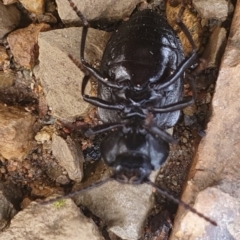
pixel 132 167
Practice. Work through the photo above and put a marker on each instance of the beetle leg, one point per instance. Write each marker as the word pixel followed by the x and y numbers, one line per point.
pixel 98 102
pixel 154 130
pixel 173 107
pixel 84 83
pixel 88 69
pixel 93 72
pixel 97 75
pixel 178 72
pixel 202 62
pixel 184 28
pixel 102 128
pixel 187 62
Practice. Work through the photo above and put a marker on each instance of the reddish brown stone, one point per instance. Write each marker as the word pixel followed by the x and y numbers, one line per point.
pixel 16 133
pixel 3 56
pixel 23 44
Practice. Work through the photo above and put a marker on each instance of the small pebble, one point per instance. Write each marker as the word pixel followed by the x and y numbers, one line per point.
pixel 174 183
pixel 63 180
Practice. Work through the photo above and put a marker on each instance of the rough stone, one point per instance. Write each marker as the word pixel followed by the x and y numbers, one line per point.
pixel 6 79
pixel 96 9
pixel 124 208
pixel 23 44
pixel 16 132
pixel 44 135
pixel 10 17
pixel 61 220
pixel 217 164
pixel 8 2
pixel 217 9
pixel 47 18
pixel 219 206
pixel 3 56
pixel 36 7
pixel 69 156
pixel 59 76
pixel 215 47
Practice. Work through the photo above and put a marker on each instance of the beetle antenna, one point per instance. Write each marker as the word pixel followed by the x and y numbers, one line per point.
pixel 73 194
pixel 80 15
pixel 180 202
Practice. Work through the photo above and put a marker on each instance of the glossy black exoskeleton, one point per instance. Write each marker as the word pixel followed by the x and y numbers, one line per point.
pixel 140 95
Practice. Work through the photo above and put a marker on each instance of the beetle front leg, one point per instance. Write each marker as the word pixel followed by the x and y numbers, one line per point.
pixel 102 128
pixel 98 102
pixel 173 107
pixel 102 104
pixel 178 72
pixel 87 68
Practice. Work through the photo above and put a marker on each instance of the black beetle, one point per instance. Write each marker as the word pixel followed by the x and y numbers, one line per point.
pixel 140 94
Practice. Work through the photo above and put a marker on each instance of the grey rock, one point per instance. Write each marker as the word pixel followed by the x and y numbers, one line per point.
pixel 96 9
pixel 61 220
pixel 215 47
pixel 60 77
pixel 217 205
pixel 69 156
pixel 217 9
pixel 62 179
pixel 9 19
pixel 6 79
pixel 124 208
pixel 16 132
